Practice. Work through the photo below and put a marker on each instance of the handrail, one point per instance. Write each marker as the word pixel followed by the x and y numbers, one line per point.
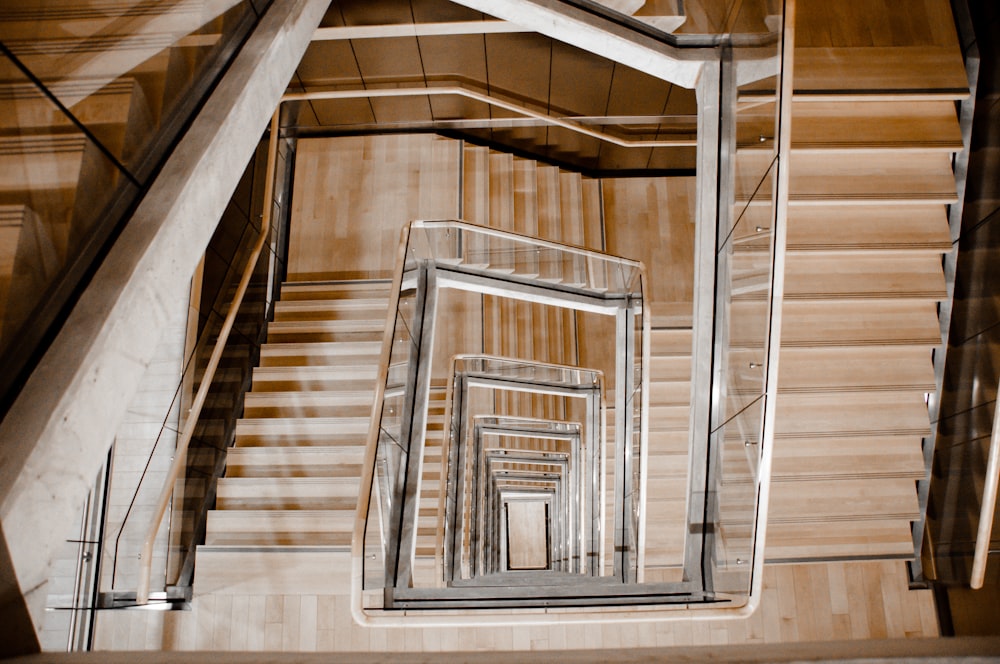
pixel 194 414
pixel 779 240
pixel 361 514
pixel 492 101
pixel 679 41
pixel 987 509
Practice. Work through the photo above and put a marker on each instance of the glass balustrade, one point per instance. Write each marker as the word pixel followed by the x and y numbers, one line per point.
pixel 229 258
pixel 93 99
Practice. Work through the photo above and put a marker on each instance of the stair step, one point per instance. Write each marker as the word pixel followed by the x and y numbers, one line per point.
pixel 571 208
pixel 668 418
pixel 308 404
pixel 340 461
pixel 293 291
pixel 884 368
pixel 273 570
pixel 28 260
pixel 677 393
pixel 321 431
pixel 906 73
pixel 343 309
pixel 911 178
pixel 793 542
pixel 593 215
pixel 852 457
pixel 670 342
pixel 670 443
pixel 670 368
pixel 320 353
pixel 837 230
pixel 811 324
pixel 117 113
pixel 858 127
pixel 42 161
pixel 475 181
pixel 666 465
pixel 853 278
pixel 826 501
pixel 302 378
pixel 287 493
pixel 851 413
pixel 326 330
pixel 279 527
pixel 548 203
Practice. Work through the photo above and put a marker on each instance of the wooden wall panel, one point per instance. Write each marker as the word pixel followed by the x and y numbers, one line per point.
pixel 652 220
pixel 360 191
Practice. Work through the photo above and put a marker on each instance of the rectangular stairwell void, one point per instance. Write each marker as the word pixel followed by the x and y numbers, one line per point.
pixel 522 439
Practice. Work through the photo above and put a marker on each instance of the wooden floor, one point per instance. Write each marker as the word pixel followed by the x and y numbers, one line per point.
pixel 821 602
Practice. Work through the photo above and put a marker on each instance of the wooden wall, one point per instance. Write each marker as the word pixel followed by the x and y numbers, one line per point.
pixel 353 195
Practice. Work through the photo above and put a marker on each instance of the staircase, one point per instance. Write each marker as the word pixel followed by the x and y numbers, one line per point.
pixel 866 231
pixel 292 478
pixel 867 225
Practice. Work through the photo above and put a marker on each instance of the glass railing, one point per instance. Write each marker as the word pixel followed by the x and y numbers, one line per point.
pixel 748 296
pixel 963 522
pixel 93 99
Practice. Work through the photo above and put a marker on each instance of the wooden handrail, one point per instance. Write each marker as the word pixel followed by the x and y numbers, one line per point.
pixel 194 414
pixel 492 101
pixel 987 509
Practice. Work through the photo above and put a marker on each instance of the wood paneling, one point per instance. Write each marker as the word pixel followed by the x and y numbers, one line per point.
pixel 652 220
pixel 359 192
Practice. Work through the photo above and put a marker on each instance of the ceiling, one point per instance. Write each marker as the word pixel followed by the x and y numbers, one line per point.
pixel 524 68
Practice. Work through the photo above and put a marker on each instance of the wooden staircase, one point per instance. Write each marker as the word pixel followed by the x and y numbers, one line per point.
pixel 866 228
pixel 292 478
pixel 871 176
pixel 299 445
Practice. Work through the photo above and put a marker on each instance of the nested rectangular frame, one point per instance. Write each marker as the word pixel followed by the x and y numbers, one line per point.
pixel 421 278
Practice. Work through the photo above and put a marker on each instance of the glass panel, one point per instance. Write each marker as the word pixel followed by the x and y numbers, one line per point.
pixel 224 265
pixel 736 509
pixel 477 248
pixel 55 185
pixel 744 274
